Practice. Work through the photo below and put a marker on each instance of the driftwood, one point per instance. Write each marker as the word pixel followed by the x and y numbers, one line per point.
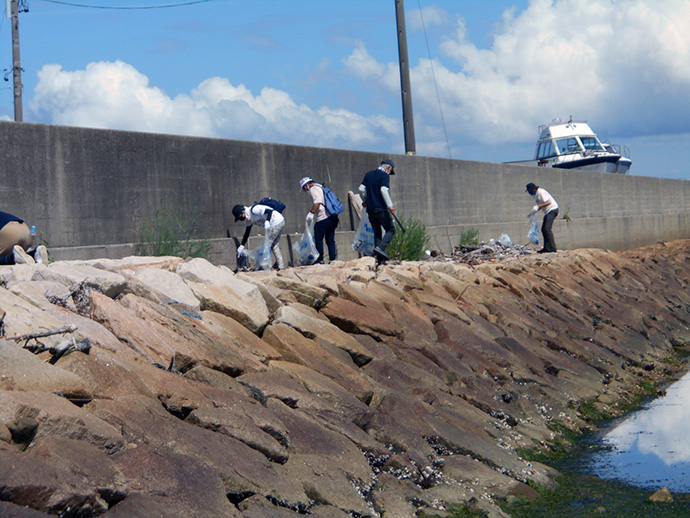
pixel 67 345
pixel 30 336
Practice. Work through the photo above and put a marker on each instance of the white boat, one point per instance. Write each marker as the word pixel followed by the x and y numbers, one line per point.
pixel 573 145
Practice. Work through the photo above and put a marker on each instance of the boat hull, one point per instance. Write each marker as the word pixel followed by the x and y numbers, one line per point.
pixel 600 164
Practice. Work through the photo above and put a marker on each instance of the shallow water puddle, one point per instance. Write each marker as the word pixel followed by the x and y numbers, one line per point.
pixel 651 448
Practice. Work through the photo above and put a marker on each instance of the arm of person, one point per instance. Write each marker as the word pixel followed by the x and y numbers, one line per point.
pixel 247 231
pixel 385 192
pixel 363 194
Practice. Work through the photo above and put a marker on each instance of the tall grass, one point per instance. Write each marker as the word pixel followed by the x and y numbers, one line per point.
pixel 172 231
pixel 409 245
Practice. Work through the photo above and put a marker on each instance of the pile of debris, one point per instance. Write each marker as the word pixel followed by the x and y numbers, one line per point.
pixel 492 252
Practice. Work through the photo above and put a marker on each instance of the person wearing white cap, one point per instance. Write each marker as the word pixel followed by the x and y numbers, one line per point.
pixel 326 223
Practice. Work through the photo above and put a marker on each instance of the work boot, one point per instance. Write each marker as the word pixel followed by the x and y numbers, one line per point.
pixel 380 254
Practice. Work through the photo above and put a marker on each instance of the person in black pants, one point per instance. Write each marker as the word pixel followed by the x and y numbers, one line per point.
pixel 544 201
pixel 326 223
pixel 375 193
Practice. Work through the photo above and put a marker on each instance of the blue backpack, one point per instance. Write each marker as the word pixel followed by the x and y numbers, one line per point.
pixel 332 203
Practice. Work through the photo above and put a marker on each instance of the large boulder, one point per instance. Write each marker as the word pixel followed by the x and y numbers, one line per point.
pixel 323 331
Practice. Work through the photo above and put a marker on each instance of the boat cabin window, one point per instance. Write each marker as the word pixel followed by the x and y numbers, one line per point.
pixel 591 144
pixel 567 145
pixel 546 150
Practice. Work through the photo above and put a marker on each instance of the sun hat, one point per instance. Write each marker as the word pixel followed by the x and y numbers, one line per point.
pixel 304 181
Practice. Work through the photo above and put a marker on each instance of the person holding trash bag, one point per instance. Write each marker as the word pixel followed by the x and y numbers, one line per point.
pixel 544 201
pixel 375 193
pixel 326 223
pixel 272 221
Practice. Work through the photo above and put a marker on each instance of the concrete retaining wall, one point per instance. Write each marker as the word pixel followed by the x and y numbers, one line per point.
pixel 90 191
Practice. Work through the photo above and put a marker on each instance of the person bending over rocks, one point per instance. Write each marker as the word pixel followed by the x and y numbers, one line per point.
pixel 16 240
pixel 544 201
pixel 272 220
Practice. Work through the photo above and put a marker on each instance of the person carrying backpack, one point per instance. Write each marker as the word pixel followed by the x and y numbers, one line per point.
pixel 325 209
pixel 270 218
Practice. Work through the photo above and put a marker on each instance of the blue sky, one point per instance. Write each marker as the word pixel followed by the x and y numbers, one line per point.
pixel 485 74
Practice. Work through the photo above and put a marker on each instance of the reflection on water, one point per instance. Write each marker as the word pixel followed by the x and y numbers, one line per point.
pixel 651 448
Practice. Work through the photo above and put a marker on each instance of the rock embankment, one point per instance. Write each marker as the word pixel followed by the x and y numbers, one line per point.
pixel 156 387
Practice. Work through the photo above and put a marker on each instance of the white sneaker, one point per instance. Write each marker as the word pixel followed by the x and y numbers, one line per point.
pixel 41 254
pixel 21 257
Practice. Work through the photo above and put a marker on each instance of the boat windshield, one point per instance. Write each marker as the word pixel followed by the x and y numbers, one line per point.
pixel 591 144
pixel 545 150
pixel 567 145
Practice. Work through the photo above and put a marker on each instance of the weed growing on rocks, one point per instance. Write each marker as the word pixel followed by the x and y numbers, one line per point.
pixel 172 232
pixel 409 245
pixel 469 237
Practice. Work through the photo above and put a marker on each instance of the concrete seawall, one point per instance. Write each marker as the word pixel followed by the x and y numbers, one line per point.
pixel 88 191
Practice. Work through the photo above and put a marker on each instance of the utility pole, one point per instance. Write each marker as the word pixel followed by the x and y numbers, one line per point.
pixel 16 64
pixel 408 118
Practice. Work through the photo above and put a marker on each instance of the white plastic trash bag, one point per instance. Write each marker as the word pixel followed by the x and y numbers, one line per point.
pixel 533 233
pixel 305 248
pixel 505 241
pixel 364 237
pixel 261 257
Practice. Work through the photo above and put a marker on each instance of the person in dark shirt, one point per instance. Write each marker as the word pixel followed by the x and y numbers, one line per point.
pixel 15 241
pixel 375 193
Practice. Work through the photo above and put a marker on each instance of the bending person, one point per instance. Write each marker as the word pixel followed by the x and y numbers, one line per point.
pixel 272 220
pixel 16 240
pixel 544 201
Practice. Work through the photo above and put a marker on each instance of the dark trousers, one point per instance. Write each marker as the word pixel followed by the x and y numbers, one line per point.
pixel 381 220
pixel 549 241
pixel 326 229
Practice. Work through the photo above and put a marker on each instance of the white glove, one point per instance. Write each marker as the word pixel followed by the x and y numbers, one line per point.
pixel 267 224
pixel 310 218
pixel 240 251
pixel 534 210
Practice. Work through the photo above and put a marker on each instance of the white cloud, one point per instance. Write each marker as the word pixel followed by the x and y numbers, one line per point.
pixel 117 96
pixel 624 66
pixel 417 20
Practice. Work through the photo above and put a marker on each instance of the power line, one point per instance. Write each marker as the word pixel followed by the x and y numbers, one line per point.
pixel 433 74
pixel 180 4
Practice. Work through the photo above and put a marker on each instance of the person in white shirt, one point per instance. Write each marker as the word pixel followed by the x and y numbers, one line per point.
pixel 272 221
pixel 326 223
pixel 544 201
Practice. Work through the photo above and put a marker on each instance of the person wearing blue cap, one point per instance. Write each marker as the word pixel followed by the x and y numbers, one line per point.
pixel 375 193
